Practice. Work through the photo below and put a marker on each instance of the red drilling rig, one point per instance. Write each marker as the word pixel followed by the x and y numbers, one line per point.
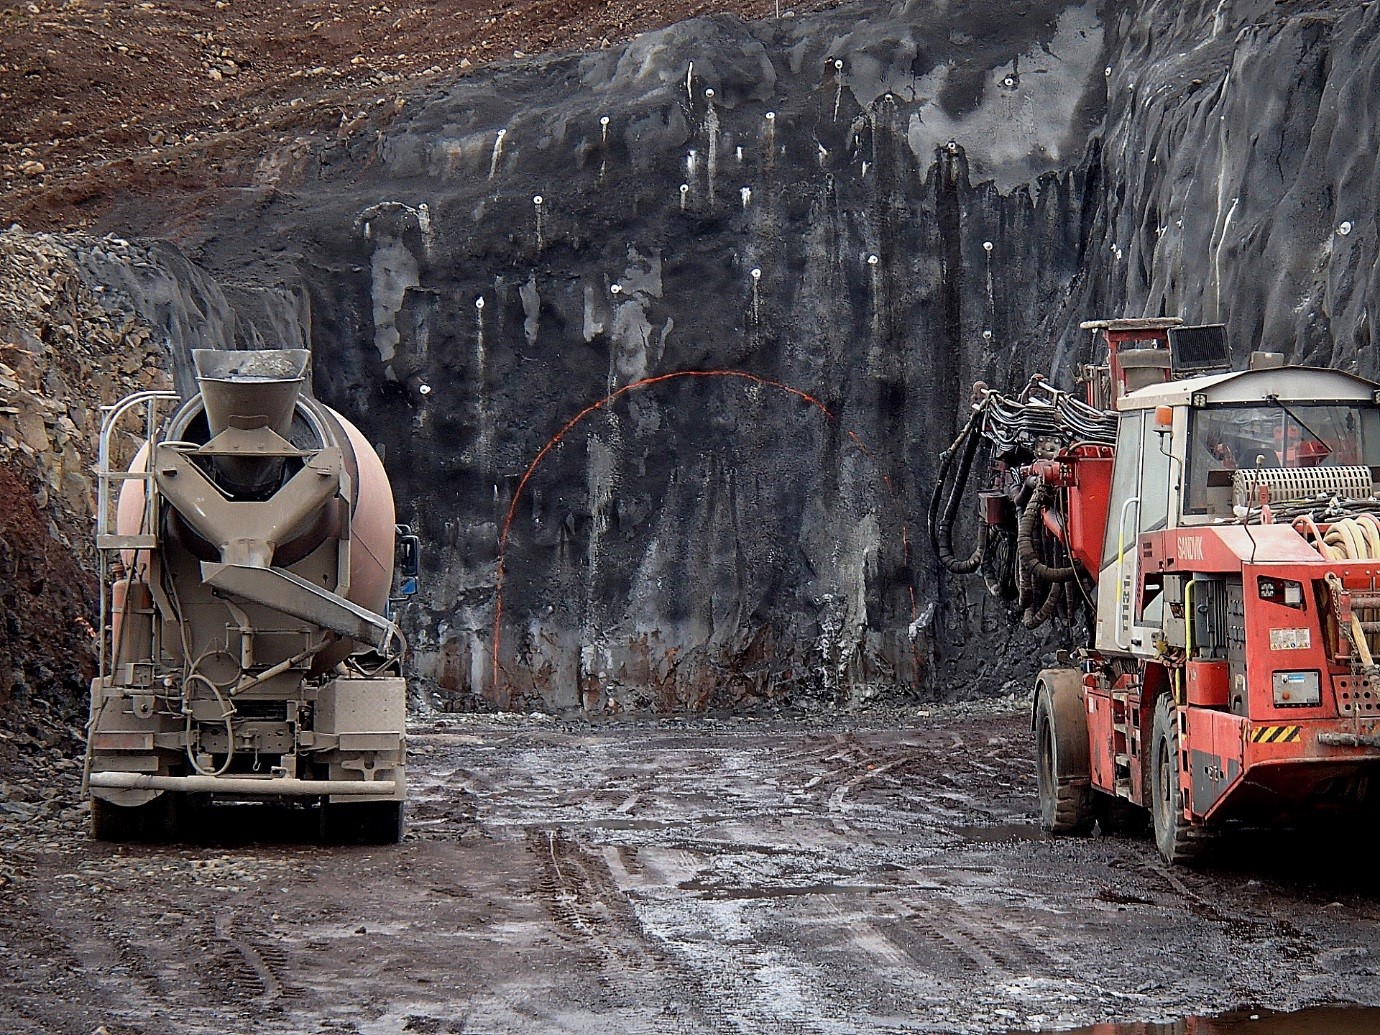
pixel 1212 539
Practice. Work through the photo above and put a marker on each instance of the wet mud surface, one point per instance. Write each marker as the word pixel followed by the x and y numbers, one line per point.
pixel 756 876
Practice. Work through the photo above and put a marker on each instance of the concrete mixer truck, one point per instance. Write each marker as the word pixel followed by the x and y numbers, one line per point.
pixel 247 651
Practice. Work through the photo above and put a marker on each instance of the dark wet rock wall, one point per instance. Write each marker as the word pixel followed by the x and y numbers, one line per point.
pixel 864 210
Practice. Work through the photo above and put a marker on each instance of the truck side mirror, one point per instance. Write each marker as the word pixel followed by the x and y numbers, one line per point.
pixel 409 561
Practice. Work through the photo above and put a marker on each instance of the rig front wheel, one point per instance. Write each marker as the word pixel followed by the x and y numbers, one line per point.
pixel 1062 771
pixel 1177 839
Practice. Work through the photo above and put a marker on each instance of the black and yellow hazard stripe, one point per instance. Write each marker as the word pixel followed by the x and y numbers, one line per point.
pixel 1275 734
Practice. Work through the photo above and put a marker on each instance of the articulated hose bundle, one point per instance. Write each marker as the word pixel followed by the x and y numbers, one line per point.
pixel 1026 547
pixel 1033 574
pixel 1040 421
pixel 941 525
pixel 1033 617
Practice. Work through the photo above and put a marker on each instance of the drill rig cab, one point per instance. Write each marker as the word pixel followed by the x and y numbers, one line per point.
pixel 1227 543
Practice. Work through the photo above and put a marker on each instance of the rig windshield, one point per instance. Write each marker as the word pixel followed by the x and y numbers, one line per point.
pixel 1274 434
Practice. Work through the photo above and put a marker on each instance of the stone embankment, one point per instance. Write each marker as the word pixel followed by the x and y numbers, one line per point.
pixel 65 351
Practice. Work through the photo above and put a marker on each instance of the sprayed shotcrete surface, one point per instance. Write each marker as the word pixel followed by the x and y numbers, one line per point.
pixel 708 876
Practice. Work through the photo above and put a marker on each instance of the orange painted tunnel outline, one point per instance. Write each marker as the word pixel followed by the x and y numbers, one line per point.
pixel 647 382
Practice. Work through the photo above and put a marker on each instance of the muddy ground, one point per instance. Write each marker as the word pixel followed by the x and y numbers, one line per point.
pixel 755 876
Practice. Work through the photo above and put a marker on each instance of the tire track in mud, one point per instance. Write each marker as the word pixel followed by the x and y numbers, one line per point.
pixel 36 956
pixel 586 901
pixel 103 966
pixel 265 963
pixel 921 784
pixel 589 908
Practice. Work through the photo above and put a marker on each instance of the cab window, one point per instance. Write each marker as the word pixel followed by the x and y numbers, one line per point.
pixel 1125 482
pixel 1291 435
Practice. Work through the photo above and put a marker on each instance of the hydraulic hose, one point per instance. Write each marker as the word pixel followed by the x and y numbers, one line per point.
pixel 941 524
pixel 1026 548
pixel 1032 617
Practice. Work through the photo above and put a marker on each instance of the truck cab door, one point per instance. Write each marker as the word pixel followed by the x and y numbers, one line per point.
pixel 1139 503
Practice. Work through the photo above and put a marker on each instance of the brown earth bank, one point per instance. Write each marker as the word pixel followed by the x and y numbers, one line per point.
pixel 167 99
pixel 753 876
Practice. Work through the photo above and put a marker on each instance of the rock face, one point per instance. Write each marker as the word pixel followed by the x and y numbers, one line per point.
pixel 862 211
pixel 63 355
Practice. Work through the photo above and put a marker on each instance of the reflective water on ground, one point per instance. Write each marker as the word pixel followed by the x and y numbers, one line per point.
pixel 1326 1020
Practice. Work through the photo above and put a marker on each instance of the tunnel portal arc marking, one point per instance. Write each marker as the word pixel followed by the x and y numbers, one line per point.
pixel 647 382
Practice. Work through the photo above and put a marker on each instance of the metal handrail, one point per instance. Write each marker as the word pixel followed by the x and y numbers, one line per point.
pixel 111 416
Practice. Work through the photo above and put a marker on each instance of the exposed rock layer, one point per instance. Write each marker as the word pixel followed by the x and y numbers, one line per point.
pixel 875 206
pixel 63 355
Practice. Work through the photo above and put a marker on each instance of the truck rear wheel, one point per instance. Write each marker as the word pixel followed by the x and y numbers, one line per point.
pixel 1066 803
pixel 362 822
pixel 1178 840
pixel 154 821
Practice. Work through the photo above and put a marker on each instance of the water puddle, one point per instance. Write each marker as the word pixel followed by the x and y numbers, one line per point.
pixel 1325 1020
pixel 1001 832
pixel 735 894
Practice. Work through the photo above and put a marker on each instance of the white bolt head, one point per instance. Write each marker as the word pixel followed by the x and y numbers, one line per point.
pixel 872 260
pixel 536 200
pixel 617 289
pixel 603 120
pixel 756 274
pixel 1107 71
pixel 986 335
pixel 771 116
pixel 709 93
pixel 1009 81
pixel 479 303
pixel 987 246
pixel 424 389
pixel 1344 228
pixel 685 188
pixel 838 63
